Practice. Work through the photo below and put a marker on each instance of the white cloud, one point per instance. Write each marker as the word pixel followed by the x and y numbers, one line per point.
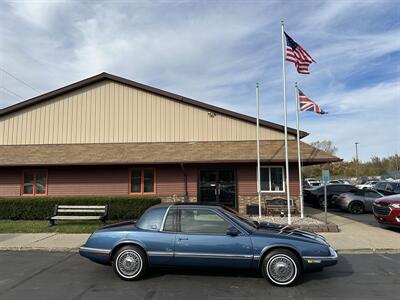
pixel 216 52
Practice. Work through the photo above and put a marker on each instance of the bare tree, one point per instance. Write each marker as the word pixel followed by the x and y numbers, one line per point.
pixel 325 145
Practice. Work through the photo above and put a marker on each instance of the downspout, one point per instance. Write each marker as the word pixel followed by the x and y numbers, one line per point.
pixel 185 180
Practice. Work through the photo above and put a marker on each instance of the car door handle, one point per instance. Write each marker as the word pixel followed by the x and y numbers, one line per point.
pixel 183 239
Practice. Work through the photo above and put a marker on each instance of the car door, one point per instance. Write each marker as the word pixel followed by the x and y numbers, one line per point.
pixel 202 240
pixel 369 198
pixel 158 242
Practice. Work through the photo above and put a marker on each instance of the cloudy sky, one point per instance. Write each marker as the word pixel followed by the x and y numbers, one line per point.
pixel 215 51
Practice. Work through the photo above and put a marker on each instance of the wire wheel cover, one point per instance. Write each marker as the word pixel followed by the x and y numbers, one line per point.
pixel 281 268
pixel 129 263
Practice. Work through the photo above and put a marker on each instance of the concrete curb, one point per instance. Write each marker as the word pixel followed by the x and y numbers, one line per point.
pixel 339 251
pixel 368 251
pixel 54 249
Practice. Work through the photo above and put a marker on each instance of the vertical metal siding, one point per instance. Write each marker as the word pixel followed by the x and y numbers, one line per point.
pixel 109 112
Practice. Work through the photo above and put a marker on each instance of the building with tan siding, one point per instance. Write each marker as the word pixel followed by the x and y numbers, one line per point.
pixel 107 135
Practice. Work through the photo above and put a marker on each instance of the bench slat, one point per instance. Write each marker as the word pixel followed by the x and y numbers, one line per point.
pixel 83 206
pixel 76 218
pixel 81 210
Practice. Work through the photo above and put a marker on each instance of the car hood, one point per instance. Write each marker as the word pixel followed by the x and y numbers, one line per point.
pixel 388 199
pixel 270 229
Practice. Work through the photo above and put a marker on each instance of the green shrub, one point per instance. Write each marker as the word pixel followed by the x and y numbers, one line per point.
pixel 40 208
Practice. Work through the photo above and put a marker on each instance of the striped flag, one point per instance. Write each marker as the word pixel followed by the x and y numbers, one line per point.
pixel 297 55
pixel 306 104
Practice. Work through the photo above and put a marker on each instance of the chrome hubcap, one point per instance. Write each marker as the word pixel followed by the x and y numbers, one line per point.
pixel 281 269
pixel 129 263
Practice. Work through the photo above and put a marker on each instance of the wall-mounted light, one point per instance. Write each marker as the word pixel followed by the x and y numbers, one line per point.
pixel 211 114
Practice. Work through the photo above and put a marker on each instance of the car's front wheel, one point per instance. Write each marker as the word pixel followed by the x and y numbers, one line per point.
pixel 130 263
pixel 281 267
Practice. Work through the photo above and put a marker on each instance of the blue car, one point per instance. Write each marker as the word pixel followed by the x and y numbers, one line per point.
pixel 196 235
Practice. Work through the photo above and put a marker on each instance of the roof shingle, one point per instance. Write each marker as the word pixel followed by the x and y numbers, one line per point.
pixel 157 153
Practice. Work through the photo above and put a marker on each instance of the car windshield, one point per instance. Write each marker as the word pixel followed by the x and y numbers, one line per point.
pixel 246 222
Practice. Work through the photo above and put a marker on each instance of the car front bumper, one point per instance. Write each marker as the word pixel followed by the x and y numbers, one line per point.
pixel 319 262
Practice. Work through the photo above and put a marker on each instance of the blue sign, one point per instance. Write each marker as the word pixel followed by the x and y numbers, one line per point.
pixel 325 176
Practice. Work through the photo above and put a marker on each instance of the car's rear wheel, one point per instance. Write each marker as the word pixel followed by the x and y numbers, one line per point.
pixel 281 267
pixel 356 208
pixel 321 202
pixel 130 263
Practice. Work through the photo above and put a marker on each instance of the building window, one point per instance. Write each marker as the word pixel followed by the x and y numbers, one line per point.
pixel 272 179
pixel 34 183
pixel 142 181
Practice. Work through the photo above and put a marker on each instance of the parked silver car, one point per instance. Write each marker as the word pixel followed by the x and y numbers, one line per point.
pixel 358 201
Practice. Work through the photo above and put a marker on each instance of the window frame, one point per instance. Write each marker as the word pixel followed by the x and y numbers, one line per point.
pixel 142 192
pixel 225 218
pixel 283 179
pixel 34 194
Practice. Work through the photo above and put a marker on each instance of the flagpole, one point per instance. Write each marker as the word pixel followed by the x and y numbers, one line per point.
pixel 285 121
pixel 299 151
pixel 258 151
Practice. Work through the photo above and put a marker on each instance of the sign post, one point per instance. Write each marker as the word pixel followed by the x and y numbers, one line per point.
pixel 325 180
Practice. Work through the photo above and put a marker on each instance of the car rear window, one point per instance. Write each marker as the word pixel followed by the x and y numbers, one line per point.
pixel 152 219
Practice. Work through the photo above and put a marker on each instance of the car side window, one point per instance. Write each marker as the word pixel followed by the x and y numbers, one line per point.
pixel 152 219
pixel 380 185
pixel 202 221
pixel 170 221
pixel 371 194
pixel 333 189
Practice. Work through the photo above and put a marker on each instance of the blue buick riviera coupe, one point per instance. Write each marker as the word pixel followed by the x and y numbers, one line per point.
pixel 196 235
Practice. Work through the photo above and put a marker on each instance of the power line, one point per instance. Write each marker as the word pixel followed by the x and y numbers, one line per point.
pixel 11 93
pixel 23 82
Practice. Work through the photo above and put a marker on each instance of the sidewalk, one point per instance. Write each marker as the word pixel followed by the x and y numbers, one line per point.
pixel 354 237
pixel 42 241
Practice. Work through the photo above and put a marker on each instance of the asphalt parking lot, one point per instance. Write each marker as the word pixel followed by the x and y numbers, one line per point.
pixel 366 218
pixel 56 275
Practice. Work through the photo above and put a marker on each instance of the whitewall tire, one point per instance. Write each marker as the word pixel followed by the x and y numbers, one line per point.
pixel 130 263
pixel 281 267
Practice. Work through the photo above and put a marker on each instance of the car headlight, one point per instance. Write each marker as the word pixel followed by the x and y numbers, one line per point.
pixel 332 251
pixel 395 205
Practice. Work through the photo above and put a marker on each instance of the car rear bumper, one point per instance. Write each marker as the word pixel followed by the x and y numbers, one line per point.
pixel 97 255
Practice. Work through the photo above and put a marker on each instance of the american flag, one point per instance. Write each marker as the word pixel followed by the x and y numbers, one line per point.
pixel 297 55
pixel 306 104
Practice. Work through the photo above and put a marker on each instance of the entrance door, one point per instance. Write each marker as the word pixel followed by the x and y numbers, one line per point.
pixel 219 186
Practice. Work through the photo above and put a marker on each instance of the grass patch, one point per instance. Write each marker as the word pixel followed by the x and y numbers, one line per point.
pixel 39 226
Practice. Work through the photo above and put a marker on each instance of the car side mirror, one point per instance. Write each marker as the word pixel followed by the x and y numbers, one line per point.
pixel 232 231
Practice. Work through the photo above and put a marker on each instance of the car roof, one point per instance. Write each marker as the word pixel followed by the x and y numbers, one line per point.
pixel 191 204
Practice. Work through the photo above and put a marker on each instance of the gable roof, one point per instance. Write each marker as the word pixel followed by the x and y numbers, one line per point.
pixel 134 84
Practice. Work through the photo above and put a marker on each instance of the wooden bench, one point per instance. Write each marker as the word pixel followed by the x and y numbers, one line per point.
pixel 79 213
pixel 278 205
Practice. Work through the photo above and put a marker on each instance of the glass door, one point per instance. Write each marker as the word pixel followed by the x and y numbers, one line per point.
pixel 218 186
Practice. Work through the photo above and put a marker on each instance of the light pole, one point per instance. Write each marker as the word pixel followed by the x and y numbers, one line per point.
pixel 356 143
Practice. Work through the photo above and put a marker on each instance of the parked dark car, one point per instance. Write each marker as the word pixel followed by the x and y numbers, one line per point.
pixel 388 187
pixel 387 210
pixel 358 201
pixel 315 196
pixel 196 235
